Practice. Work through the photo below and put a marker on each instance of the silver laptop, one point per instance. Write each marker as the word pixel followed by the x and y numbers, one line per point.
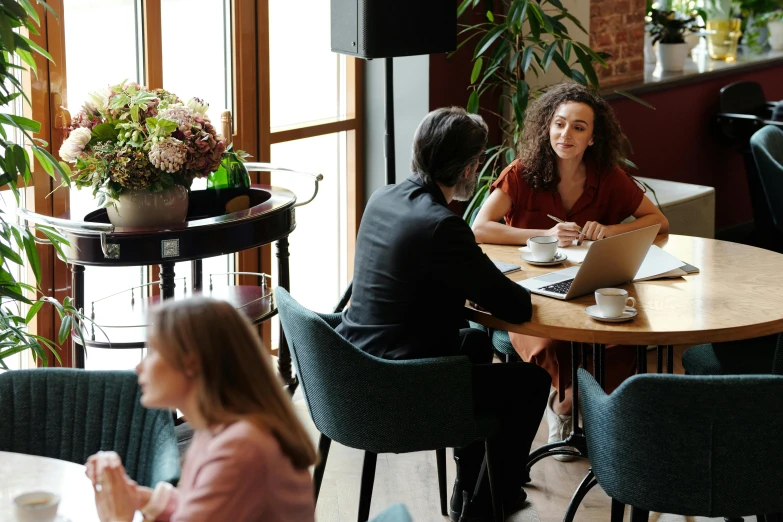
pixel 609 262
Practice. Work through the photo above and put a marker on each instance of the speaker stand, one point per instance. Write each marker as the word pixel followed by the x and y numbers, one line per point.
pixel 388 95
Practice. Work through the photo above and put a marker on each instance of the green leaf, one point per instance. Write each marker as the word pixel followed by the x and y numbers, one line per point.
pixel 476 69
pixel 490 17
pixel 20 122
pixel 27 57
pixel 32 255
pixel 595 56
pixel 587 66
pixel 575 21
pixel 535 25
pixel 463 7
pixel 488 40
pixel 65 329
pixel 57 241
pixel 557 4
pixel 7 34
pixel 8 291
pixel 52 161
pixel 526 57
pixel 634 98
pixel 42 160
pixel 33 310
pixel 578 77
pixel 9 253
pixel 104 132
pixel 473 103
pixel 31 12
pixel 567 50
pixel 29 45
pixel 561 64
pixel 546 59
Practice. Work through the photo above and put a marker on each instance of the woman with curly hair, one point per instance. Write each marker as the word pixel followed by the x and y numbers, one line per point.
pixel 569 167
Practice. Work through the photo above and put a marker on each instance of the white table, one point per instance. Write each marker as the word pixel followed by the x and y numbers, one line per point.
pixel 21 473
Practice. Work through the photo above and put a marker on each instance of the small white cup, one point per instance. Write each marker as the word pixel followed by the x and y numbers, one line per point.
pixel 36 506
pixel 612 302
pixel 542 248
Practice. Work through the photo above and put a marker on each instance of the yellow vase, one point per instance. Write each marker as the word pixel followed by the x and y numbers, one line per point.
pixel 722 38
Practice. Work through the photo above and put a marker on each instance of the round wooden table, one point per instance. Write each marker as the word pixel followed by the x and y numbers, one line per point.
pixel 736 295
pixel 25 473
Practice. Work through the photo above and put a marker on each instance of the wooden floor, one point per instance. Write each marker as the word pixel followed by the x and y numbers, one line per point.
pixel 413 480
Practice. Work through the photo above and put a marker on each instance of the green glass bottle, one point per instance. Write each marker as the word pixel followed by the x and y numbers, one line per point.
pixel 229 185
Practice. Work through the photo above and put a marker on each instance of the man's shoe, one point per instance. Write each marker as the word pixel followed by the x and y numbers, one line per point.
pixel 560 426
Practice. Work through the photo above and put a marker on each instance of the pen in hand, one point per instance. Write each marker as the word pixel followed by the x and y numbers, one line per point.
pixel 579 229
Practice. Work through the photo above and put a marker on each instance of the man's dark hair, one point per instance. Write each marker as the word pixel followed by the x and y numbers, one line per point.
pixel 447 141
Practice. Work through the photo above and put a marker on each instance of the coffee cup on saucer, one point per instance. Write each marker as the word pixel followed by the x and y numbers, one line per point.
pixel 36 506
pixel 613 302
pixel 542 248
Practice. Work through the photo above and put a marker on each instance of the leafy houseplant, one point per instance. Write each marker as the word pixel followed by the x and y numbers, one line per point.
pixel 17 242
pixel 520 39
pixel 774 22
pixel 756 16
pixel 668 29
pixel 130 138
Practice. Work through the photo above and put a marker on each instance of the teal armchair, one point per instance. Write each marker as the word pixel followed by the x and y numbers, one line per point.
pixel 382 406
pixel 71 414
pixel 687 445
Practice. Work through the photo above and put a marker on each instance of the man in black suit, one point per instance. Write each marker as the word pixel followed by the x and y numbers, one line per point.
pixel 416 264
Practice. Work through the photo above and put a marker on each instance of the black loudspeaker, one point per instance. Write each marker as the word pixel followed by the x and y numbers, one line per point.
pixel 387 28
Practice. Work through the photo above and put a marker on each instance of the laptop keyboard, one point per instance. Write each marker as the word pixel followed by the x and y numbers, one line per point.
pixel 559 288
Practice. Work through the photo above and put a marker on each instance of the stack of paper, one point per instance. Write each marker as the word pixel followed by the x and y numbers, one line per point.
pixel 658 264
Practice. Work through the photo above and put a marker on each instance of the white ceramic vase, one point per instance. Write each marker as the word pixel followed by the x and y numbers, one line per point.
pixel 672 56
pixel 142 208
pixel 775 35
pixel 649 49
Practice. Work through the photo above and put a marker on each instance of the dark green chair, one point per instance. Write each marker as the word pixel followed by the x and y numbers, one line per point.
pixel 382 406
pixel 71 414
pixel 687 445
pixel 750 357
pixel 501 342
pixel 394 513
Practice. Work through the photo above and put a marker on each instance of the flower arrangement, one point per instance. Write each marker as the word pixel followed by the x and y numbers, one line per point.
pixel 128 137
pixel 670 27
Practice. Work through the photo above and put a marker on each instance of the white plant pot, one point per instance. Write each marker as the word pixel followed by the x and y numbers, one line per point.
pixel 775 35
pixel 672 56
pixel 692 40
pixel 649 50
pixel 142 208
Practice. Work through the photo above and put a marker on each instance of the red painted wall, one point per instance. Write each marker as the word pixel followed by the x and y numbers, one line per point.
pixel 677 141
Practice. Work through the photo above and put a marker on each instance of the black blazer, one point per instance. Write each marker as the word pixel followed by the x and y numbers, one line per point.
pixel 416 263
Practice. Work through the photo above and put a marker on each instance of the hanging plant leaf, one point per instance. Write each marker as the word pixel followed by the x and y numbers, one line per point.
pixel 476 69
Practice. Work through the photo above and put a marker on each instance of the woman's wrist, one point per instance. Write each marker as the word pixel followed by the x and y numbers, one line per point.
pixel 143 495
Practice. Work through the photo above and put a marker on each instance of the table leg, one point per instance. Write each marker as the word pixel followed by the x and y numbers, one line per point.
pixel 670 359
pixel 77 288
pixel 167 283
pixel 659 353
pixel 283 281
pixel 196 274
pixel 641 359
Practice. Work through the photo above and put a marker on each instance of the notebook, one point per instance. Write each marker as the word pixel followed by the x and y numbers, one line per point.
pixel 506 267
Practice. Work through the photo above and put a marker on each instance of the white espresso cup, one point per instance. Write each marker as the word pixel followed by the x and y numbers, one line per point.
pixel 36 506
pixel 612 302
pixel 542 248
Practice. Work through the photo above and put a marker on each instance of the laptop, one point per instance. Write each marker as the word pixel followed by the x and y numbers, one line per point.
pixel 609 262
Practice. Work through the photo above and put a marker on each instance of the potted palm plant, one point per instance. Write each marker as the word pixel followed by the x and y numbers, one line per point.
pixel 669 29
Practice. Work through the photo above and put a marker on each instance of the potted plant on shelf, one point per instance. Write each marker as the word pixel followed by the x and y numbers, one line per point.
pixel 21 302
pixel 774 23
pixel 139 150
pixel 756 16
pixel 669 29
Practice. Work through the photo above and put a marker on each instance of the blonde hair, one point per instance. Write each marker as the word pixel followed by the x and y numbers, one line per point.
pixel 237 380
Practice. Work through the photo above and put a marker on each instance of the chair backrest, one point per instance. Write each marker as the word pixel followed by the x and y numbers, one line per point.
pixel 374 404
pixel 688 445
pixel 766 145
pixel 71 414
pixel 743 98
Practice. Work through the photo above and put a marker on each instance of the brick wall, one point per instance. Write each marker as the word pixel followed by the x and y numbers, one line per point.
pixel 617 27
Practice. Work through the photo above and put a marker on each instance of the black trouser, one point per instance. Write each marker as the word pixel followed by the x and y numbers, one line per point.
pixel 515 392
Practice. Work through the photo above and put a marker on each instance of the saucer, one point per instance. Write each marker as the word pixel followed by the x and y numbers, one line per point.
pixel 595 313
pixel 559 258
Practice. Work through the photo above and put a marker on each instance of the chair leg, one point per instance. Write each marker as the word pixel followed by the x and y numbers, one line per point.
pixel 493 464
pixel 618 510
pixel 323 453
pixel 368 478
pixel 440 457
pixel 639 515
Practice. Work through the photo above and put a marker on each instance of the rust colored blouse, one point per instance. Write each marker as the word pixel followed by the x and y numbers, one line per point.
pixel 608 198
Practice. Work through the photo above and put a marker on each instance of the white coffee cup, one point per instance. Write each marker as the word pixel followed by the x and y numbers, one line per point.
pixel 542 248
pixel 612 302
pixel 36 506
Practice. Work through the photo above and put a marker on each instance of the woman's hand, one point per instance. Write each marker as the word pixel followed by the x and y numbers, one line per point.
pixel 116 495
pixel 594 231
pixel 565 233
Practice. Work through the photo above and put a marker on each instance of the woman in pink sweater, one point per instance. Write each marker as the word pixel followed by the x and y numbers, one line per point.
pixel 250 455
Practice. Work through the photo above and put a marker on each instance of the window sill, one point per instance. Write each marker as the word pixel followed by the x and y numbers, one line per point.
pixel 700 69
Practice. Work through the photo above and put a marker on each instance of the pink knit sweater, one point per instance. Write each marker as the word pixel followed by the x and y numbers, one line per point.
pixel 239 473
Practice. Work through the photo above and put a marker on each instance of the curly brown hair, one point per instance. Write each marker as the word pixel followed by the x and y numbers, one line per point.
pixel 535 149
